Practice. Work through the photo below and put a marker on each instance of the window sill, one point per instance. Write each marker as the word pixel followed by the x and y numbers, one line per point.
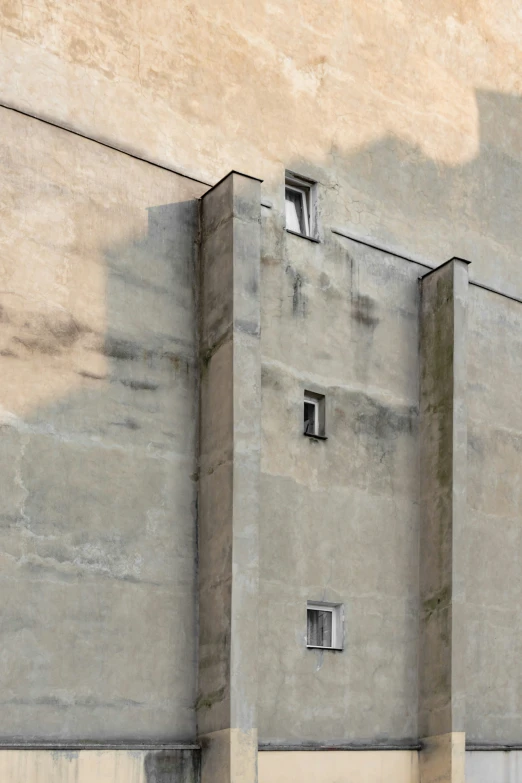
pixel 319 647
pixel 317 437
pixel 303 236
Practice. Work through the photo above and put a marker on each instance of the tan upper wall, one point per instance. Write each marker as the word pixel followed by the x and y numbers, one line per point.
pixel 406 111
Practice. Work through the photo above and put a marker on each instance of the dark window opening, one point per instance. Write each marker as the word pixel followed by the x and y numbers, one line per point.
pixel 310 418
pixel 319 627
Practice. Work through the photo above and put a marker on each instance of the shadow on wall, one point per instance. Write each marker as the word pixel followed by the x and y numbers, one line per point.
pixel 394 192
pixel 97 526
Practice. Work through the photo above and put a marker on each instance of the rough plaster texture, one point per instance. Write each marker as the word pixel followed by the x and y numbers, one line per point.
pixel 416 143
pixel 103 766
pixel 339 517
pixel 493 566
pixel 339 767
pixel 443 460
pixel 229 499
pixel 98 432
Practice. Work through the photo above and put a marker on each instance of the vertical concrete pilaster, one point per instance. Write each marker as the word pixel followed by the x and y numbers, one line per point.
pixel 230 407
pixel 443 457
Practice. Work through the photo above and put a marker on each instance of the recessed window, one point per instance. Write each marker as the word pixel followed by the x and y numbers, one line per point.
pixel 299 206
pixel 324 625
pixel 313 415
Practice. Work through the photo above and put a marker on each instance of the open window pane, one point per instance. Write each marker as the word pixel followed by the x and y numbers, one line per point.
pixel 295 218
pixel 319 627
pixel 310 418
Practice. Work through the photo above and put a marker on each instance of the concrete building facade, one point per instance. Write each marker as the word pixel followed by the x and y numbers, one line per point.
pixel 261 312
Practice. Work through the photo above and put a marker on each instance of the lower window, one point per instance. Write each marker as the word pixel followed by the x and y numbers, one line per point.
pixel 324 625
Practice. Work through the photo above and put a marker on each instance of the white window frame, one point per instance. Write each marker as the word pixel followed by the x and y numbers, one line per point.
pixel 306 189
pixel 337 611
pixel 319 403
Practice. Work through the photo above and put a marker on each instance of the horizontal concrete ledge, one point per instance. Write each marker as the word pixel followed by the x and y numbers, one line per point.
pixel 68 746
pixel 131 153
pixel 495 291
pixel 303 236
pixel 492 746
pixel 339 746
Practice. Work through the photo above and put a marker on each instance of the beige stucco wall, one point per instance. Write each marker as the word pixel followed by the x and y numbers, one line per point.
pixel 97 766
pixel 408 112
pixel 338 766
pixel 126 766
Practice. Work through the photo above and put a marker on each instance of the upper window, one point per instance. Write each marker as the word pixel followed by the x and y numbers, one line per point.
pixel 313 415
pixel 299 206
pixel 324 625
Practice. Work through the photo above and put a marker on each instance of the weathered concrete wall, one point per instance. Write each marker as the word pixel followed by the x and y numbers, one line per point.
pixel 419 143
pixel 494 542
pixel 339 517
pixel 98 428
pixel 339 766
pixel 416 145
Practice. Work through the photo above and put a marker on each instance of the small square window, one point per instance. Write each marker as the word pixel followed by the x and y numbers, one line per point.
pixel 313 415
pixel 299 206
pixel 324 625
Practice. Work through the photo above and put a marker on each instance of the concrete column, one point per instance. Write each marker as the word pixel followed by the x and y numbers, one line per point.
pixel 443 455
pixel 230 407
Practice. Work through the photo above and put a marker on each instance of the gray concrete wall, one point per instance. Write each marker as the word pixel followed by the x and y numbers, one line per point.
pixel 340 519
pixel 98 434
pixel 493 573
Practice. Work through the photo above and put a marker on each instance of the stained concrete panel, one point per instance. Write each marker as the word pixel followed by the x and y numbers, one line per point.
pixel 339 517
pixel 98 418
pixel 493 569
